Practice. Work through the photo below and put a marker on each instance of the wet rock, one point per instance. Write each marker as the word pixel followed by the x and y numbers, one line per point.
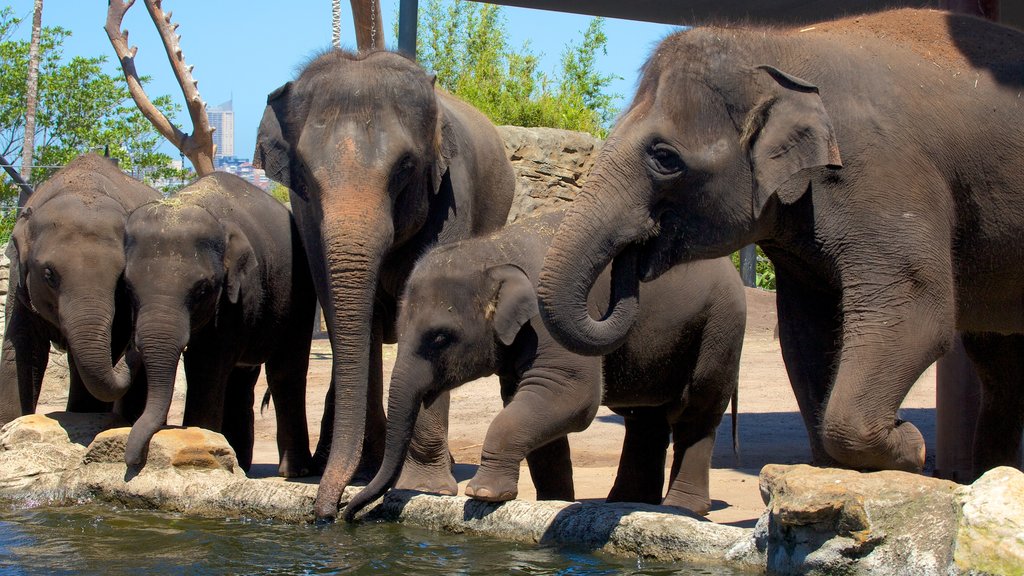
pixel 550 166
pixel 991 534
pixel 35 451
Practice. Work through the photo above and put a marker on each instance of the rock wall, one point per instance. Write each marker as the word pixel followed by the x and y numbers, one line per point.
pixel 550 164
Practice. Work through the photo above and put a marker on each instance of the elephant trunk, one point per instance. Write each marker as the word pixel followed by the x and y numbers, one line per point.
pixel 579 252
pixel 403 408
pixel 353 250
pixel 87 321
pixel 161 335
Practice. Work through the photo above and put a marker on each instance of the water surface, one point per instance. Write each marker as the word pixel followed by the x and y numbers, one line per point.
pixel 101 539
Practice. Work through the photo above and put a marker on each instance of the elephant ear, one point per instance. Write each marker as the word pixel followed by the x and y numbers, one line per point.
pixel 273 152
pixel 446 148
pixel 515 301
pixel 239 261
pixel 17 252
pixel 786 132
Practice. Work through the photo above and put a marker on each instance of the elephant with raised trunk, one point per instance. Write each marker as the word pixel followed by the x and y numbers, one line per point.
pixel 381 165
pixel 470 310
pixel 217 273
pixel 66 288
pixel 879 169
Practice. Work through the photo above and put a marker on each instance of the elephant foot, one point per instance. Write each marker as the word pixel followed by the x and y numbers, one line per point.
pixel 433 479
pixel 493 487
pixel 902 449
pixel 295 466
pixel 695 501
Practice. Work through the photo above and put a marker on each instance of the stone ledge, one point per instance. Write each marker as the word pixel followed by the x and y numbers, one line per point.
pixel 818 520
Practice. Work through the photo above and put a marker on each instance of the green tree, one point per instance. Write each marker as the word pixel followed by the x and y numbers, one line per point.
pixel 80 108
pixel 466 45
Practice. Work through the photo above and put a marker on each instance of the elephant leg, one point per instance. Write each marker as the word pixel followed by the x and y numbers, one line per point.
pixel 688 483
pixel 546 407
pixel 79 398
pixel 894 327
pixel 133 403
pixel 26 352
pixel 238 420
pixel 809 326
pixel 641 474
pixel 323 443
pixel 428 464
pixel 376 422
pixel 999 360
pixel 551 471
pixel 206 389
pixel 286 377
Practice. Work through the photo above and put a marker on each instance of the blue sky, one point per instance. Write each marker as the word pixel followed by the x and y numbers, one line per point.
pixel 242 50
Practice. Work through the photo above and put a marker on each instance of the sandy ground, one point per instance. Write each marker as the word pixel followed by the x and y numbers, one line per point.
pixel 770 428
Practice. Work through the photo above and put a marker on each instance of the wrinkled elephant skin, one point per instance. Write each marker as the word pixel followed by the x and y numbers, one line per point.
pixel 470 310
pixel 877 161
pixel 218 272
pixel 381 165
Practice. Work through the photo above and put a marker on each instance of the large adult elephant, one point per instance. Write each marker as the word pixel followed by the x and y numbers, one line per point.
pixel 67 288
pixel 381 165
pixel 735 136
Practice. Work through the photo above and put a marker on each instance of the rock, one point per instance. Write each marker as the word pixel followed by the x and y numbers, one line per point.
pixel 178 448
pixel 550 166
pixel 991 534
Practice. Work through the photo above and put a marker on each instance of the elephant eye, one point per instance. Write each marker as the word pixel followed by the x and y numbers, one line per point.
pixel 403 170
pixel 665 160
pixel 438 340
pixel 50 277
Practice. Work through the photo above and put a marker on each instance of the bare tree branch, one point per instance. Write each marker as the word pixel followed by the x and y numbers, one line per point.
pixel 198 146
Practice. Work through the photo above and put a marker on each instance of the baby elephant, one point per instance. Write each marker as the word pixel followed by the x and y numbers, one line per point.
pixel 470 310
pixel 218 272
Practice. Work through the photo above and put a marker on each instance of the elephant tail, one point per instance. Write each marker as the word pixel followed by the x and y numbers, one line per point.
pixel 266 403
pixel 735 437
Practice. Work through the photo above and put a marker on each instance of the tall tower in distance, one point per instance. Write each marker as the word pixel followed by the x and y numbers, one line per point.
pixel 222 118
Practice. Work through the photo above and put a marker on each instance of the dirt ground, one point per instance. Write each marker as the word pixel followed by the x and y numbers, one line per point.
pixel 770 428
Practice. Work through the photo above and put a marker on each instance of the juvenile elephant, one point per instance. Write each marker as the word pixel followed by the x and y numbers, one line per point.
pixel 218 273
pixel 66 288
pixel 470 310
pixel 381 165
pixel 734 136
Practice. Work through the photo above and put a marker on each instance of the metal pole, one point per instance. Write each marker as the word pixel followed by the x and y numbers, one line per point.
pixel 748 265
pixel 408 11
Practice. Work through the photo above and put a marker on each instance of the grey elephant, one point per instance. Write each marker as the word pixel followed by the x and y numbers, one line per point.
pixel 881 173
pixel 66 288
pixel 217 273
pixel 381 165
pixel 470 310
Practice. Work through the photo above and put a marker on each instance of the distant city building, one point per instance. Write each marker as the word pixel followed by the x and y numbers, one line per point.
pixel 222 118
pixel 243 168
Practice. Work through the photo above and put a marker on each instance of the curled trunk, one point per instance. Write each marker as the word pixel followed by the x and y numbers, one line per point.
pixel 87 323
pixel 577 256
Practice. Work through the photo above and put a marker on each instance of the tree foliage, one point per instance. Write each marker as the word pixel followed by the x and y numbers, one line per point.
pixel 80 109
pixel 466 45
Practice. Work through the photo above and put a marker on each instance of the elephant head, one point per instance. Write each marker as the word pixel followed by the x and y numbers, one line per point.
pixel 67 265
pixel 452 325
pixel 691 171
pixel 183 267
pixel 364 146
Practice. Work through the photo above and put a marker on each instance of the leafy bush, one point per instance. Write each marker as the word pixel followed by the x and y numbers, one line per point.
pixel 764 271
pixel 466 45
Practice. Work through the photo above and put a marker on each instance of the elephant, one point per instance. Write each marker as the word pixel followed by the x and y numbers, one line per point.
pixel 66 288
pixel 380 165
pixel 879 170
pixel 217 274
pixel 470 310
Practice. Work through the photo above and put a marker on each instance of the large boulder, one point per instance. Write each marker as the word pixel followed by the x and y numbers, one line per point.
pixel 550 166
pixel 830 521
